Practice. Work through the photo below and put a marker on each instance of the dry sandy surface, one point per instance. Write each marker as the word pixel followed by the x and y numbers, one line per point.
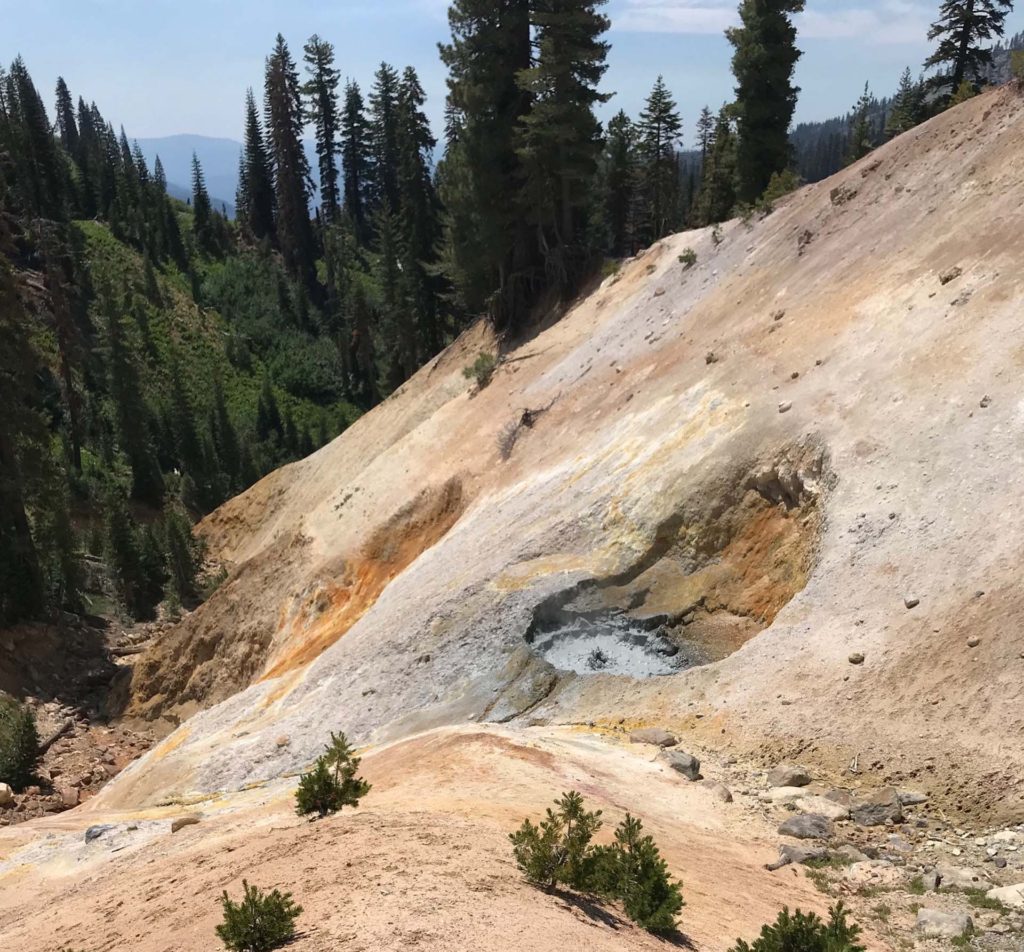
pixel 423 864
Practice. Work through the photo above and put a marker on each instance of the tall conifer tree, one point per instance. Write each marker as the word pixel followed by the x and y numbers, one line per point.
pixel 764 57
pixel 259 177
pixel 322 97
pixel 355 158
pixel 284 122
pixel 965 29
pixel 659 131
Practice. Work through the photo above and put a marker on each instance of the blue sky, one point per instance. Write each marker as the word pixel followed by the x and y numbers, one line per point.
pixel 170 66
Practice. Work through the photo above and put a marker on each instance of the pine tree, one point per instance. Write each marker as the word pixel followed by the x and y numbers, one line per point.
pixel 284 124
pixel 805 932
pixel 491 253
pixel 717 196
pixel 202 212
pixel 333 783
pixel 260 922
pixel 559 139
pixel 66 125
pixel 384 138
pixel 705 132
pixel 322 94
pixel 964 30
pixel 907 106
pixel 419 220
pixel 225 437
pixel 620 185
pixel 659 131
pixel 159 177
pixel 259 181
pixel 355 159
pixel 557 851
pixel 764 58
pixel 860 128
pixel 38 179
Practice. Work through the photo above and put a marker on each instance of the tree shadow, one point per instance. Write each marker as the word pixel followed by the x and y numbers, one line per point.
pixel 598 911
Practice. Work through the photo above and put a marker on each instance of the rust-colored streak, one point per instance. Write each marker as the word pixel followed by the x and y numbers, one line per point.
pixel 329 613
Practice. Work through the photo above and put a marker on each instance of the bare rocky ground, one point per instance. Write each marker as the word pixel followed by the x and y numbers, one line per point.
pixel 798 455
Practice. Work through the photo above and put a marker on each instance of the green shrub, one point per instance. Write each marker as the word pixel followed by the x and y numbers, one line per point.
pixel 558 852
pixel 805 932
pixel 260 922
pixel 688 258
pixel 980 900
pixel 779 185
pixel 19 743
pixel 633 871
pixel 963 92
pixel 332 783
pixel 481 370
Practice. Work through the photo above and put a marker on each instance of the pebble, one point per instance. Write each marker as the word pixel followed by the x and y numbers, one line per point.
pixel 785 406
pixel 857 657
pixel 911 602
pixel 973 642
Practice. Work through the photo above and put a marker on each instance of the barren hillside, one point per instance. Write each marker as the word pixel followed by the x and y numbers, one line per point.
pixel 768 501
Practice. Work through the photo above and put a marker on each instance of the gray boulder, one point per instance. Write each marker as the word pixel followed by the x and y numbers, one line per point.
pixel 718 790
pixel 1012 896
pixel 183 821
pixel 960 877
pixel 787 776
pixel 655 736
pixel 936 924
pixel 95 832
pixel 879 807
pixel 794 853
pixel 807 826
pixel 682 762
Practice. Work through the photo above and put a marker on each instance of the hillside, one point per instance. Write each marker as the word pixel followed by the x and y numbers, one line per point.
pixel 781 481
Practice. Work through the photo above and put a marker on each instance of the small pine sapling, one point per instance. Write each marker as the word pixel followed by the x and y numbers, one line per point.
pixel 633 871
pixel 260 922
pixel 557 851
pixel 332 783
pixel 806 932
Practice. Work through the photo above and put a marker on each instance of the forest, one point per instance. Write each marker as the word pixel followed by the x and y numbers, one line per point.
pixel 157 358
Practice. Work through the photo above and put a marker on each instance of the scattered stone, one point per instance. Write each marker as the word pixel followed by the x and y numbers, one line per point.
pixel 911 798
pixel 95 832
pixel 959 877
pixel 857 657
pixel 936 924
pixel 655 736
pixel 999 862
pixel 911 602
pixel 986 402
pixel 788 776
pixel 785 406
pixel 681 762
pixel 793 853
pixel 710 358
pixel 823 806
pixel 950 275
pixel 851 853
pixel 807 826
pixel 1012 896
pixel 778 315
pixel 69 796
pixel 878 808
pixel 782 795
pixel 283 741
pixel 973 642
pixel 718 790
pixel 930 880
pixel 6 795
pixel 182 821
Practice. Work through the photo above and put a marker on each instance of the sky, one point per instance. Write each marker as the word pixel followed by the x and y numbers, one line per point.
pixel 162 67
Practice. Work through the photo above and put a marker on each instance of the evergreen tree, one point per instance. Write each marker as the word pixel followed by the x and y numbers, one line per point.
pixel 420 217
pixel 717 196
pixel 355 159
pixel 259 181
pixel 284 123
pixel 491 253
pixel 964 30
pixel 159 177
pixel 384 138
pixel 659 130
pixel 202 212
pixel 66 125
pixel 559 139
pixel 333 783
pixel 907 108
pixel 805 932
pixel 705 132
pixel 620 185
pixel 764 58
pixel 322 94
pixel 860 129
pixel 225 437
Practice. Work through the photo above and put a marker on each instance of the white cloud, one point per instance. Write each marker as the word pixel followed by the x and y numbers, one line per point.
pixel 880 22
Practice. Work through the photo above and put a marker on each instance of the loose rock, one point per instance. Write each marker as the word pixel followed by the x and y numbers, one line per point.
pixel 182 821
pixel 718 790
pixel 960 877
pixel 6 795
pixel 950 274
pixel 95 832
pixel 823 806
pixel 655 736
pixel 936 924
pixel 911 602
pixel 681 762
pixel 788 776
pixel 857 658
pixel 881 806
pixel 807 826
pixel 1012 896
